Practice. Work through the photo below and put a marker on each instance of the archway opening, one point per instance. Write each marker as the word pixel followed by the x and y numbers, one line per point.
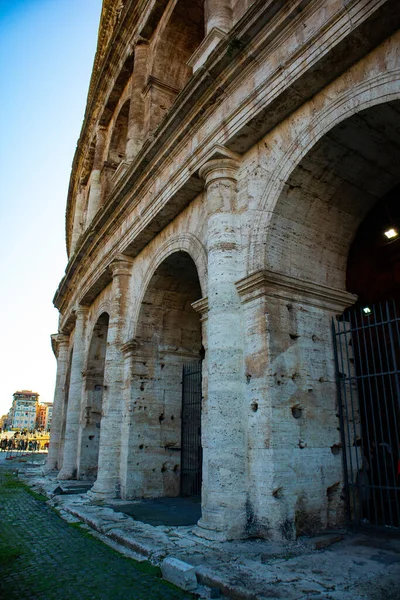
pixel 89 435
pixel 373 348
pixel 168 336
pixel 313 224
pixel 117 148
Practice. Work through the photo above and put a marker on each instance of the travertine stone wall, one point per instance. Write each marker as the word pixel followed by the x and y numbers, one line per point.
pixel 255 137
pixel 107 484
pixel 62 348
pixel 224 462
pixel 70 451
pixel 291 401
pixel 92 402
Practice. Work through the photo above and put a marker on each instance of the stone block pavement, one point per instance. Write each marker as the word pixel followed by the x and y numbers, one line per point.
pixel 45 557
pixel 364 566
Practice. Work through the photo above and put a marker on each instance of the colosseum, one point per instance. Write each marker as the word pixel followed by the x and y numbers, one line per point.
pixel 229 315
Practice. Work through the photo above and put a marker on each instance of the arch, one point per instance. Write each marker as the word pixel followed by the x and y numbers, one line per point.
pixel 91 408
pixel 168 336
pixel 117 146
pixel 378 90
pixel 331 176
pixel 179 34
pixel 103 307
pixel 186 242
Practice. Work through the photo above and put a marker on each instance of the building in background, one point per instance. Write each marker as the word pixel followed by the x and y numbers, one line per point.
pixel 23 410
pixel 48 415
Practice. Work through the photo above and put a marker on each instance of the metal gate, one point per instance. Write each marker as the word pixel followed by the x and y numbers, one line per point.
pixel 367 354
pixel 191 450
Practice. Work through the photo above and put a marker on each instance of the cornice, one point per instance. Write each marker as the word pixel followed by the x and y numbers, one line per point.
pixel 271 284
pixel 154 152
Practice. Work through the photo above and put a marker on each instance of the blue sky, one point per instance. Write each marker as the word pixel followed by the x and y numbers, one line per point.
pixel 46 56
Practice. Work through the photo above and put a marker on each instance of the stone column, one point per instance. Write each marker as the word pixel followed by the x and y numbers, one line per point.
pixel 136 109
pixel 108 478
pixel 218 15
pixel 218 21
pixel 62 346
pixel 95 177
pixel 224 462
pixel 69 467
pixel 78 217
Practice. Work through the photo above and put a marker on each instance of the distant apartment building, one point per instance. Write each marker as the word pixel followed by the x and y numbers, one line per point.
pixel 44 415
pixel 49 415
pixel 24 409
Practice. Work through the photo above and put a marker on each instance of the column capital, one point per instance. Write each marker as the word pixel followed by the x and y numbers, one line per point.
pixel 219 168
pixel 140 41
pixel 81 311
pixel 121 265
pixel 59 340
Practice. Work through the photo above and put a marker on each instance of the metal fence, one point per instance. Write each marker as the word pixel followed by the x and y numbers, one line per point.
pixel 367 354
pixel 191 453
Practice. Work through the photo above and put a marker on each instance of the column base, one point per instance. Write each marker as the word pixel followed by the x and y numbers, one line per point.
pixel 100 493
pixel 65 474
pixel 221 525
pixel 47 469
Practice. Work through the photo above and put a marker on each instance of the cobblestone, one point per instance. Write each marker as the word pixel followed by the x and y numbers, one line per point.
pixel 43 557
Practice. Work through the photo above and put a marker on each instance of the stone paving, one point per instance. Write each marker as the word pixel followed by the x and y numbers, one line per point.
pixel 43 556
pixel 365 566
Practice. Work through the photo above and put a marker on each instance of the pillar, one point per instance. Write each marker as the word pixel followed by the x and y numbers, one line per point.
pixel 293 436
pixel 136 109
pixel 78 217
pixel 62 346
pixel 107 484
pixel 69 467
pixel 224 458
pixel 95 177
pixel 218 15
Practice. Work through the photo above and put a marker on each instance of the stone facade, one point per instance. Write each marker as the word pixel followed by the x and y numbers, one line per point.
pixel 229 152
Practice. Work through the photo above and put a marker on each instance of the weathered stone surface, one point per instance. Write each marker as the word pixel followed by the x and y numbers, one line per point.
pixel 179 573
pixel 231 193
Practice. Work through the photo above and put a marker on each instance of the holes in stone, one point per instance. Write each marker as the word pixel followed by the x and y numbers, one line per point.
pixel 315 338
pixel 332 490
pixel 321 380
pixel 161 417
pixel 309 390
pixel 336 449
pixel 172 417
pixel 289 307
pixel 162 365
pixel 141 446
pixel 91 437
pixel 176 468
pixel 163 468
pixel 278 492
pixel 294 336
pixel 248 377
pixel 142 387
pixel 295 376
pixel 297 411
pixel 254 406
pixel 302 444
